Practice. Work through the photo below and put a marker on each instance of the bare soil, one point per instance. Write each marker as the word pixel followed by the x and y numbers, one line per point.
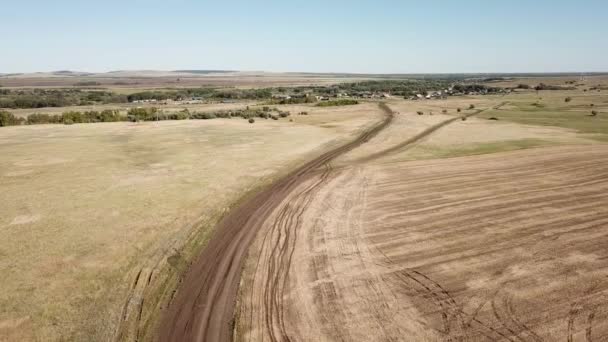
pixel 505 247
pixel 501 247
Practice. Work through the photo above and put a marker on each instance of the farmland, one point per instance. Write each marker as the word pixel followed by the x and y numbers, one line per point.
pixel 452 236
pixel 364 218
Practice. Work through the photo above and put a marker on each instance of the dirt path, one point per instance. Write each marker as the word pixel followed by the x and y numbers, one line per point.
pixel 418 137
pixel 203 308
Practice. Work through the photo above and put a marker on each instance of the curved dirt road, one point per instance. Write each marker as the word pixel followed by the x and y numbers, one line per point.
pixel 203 308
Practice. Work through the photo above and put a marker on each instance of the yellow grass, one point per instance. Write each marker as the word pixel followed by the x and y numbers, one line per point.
pixel 85 209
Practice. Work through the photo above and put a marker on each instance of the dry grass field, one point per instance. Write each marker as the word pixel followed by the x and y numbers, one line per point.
pixel 433 228
pixel 477 242
pixel 125 81
pixel 99 220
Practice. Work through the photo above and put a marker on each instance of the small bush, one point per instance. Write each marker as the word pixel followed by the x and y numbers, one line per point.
pixel 343 102
pixel 445 111
pixel 183 115
pixel 593 112
pixel 274 117
pixel 464 118
pixel 420 112
pixel 251 120
pixel 567 99
pixel 472 106
pixel 458 110
pixel 68 122
pixel 8 119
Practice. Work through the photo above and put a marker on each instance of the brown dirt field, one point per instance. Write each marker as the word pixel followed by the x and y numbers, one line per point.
pixel 402 252
pixel 501 247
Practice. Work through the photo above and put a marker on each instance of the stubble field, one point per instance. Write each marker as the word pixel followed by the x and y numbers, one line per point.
pixel 483 244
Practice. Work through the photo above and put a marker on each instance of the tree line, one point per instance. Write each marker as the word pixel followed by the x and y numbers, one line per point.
pixel 136 115
pixel 40 98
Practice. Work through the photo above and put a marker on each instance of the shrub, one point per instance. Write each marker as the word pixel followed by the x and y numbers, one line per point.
pixel 36 118
pixel 8 119
pixel 445 111
pixel 458 110
pixel 284 114
pixel 472 106
pixel 72 117
pixel 204 116
pixel 464 118
pixel 343 102
pixel 420 112
pixel 179 115
pixel 251 120
pixel 142 114
pixel 568 99
pixel 274 117
pixel 593 112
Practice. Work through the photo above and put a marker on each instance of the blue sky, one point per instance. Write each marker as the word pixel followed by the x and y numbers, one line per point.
pixel 315 36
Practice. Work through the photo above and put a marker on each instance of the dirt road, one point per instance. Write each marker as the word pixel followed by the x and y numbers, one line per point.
pixel 203 308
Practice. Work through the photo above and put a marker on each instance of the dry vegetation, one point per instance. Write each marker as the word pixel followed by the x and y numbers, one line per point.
pixel 390 240
pixel 96 217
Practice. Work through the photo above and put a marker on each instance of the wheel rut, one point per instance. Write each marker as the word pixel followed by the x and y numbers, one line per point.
pixel 203 307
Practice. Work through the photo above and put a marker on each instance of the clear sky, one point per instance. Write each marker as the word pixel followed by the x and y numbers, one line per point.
pixel 379 36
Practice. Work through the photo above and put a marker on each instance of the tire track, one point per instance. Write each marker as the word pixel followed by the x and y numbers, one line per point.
pixel 418 137
pixel 203 308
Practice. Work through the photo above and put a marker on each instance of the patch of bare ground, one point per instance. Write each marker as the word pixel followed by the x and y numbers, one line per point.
pixel 508 246
pixel 505 247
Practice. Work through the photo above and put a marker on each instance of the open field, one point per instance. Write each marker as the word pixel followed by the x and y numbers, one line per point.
pixel 394 224
pixel 130 80
pixel 501 247
pixel 99 221
pixel 505 247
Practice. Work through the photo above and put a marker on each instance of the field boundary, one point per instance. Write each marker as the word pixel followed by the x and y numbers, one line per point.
pixel 203 307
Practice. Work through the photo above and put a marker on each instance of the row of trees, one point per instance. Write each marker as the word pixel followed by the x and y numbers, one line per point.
pixel 136 115
pixel 341 102
pixel 204 93
pixel 395 87
pixel 40 98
